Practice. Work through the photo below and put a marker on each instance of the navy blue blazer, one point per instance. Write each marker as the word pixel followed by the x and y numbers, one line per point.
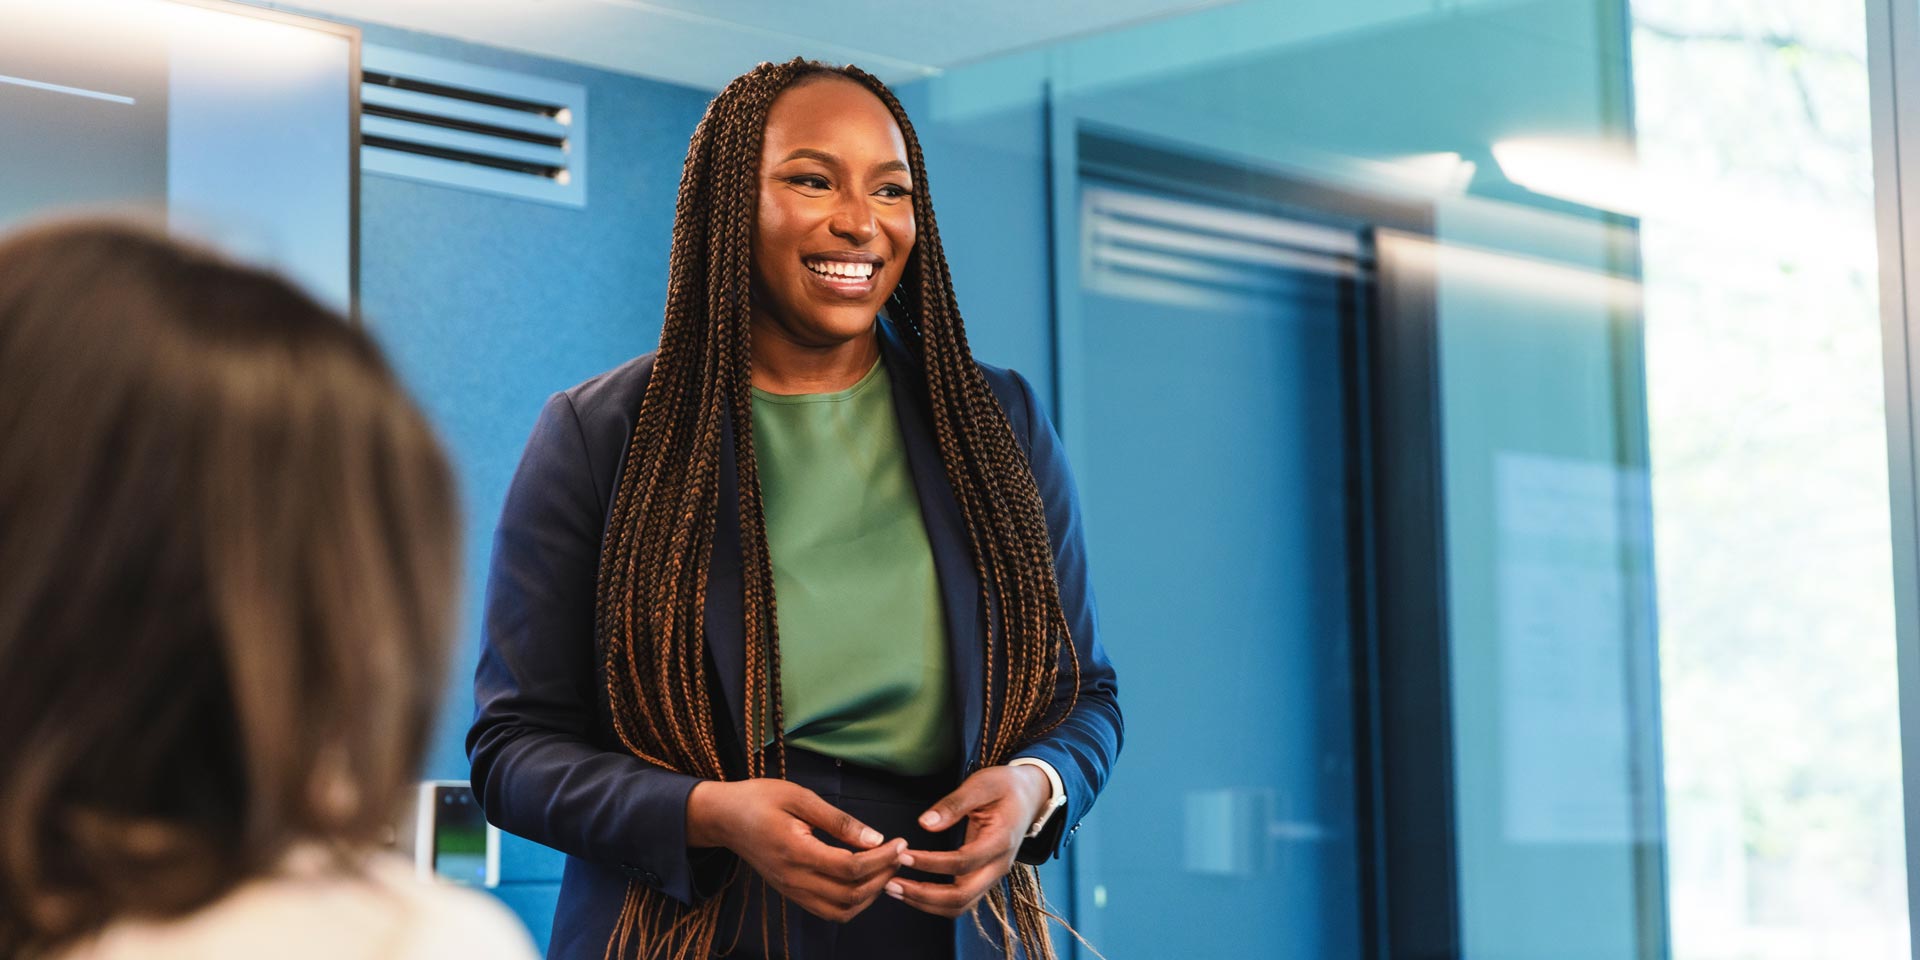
pixel 547 765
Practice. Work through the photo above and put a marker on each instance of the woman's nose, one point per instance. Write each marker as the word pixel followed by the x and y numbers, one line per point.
pixel 854 221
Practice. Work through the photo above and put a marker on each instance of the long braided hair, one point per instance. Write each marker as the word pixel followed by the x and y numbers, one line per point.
pixel 651 592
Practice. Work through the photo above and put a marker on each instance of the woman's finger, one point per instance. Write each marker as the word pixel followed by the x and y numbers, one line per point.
pixel 839 901
pixel 944 899
pixel 837 823
pixel 844 867
pixel 955 806
pixel 976 854
pixel 872 888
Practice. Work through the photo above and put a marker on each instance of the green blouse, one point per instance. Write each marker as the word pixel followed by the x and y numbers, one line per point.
pixel 863 639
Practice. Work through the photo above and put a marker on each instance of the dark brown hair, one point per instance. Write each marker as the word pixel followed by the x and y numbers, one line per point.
pixel 659 539
pixel 229 545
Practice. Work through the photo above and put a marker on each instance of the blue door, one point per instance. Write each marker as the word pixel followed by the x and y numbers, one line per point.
pixel 1211 443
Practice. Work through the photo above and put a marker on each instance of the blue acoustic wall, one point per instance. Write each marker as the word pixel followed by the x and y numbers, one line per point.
pixel 983 131
pixel 488 304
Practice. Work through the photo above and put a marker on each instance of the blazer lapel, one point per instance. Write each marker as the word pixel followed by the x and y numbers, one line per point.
pixel 725 616
pixel 946 533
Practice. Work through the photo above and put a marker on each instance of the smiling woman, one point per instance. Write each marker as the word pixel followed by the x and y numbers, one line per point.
pixel 930 713
pixel 834 230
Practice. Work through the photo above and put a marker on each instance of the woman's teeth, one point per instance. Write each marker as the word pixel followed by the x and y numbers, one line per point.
pixel 837 268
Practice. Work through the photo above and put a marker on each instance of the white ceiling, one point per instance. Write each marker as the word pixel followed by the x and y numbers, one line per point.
pixel 705 43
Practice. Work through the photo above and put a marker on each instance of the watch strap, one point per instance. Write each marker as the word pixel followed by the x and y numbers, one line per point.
pixel 1055 802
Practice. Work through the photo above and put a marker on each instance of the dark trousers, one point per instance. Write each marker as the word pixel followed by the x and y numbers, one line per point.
pixel 888 928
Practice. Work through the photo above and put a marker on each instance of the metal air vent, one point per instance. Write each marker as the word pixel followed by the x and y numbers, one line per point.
pixel 452 123
pixel 1182 251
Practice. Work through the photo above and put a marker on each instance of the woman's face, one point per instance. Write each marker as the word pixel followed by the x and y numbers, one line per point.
pixel 836 212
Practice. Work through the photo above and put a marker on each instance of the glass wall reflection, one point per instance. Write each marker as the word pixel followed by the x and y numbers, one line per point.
pixel 1644 232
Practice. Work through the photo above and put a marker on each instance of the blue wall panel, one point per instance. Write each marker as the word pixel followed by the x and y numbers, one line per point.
pixel 534 903
pixel 487 304
pixel 983 133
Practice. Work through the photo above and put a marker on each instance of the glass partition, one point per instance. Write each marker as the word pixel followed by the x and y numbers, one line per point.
pixel 1637 239
pixel 1769 481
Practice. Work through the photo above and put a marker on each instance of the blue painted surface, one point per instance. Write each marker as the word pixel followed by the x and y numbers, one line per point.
pixel 262 167
pixel 533 902
pixel 1336 93
pixel 227 128
pixel 986 168
pixel 1215 486
pixel 488 304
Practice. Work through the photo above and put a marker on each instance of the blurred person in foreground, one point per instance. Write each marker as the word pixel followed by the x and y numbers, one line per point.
pixel 229 544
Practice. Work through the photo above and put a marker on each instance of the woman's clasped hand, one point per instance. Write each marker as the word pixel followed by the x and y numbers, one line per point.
pixel 771 823
pixel 997 804
pixel 776 827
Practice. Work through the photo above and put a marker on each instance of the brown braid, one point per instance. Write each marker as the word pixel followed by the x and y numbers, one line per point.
pixel 651 594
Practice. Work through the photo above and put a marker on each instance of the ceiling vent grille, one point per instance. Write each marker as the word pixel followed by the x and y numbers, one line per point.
pixel 455 124
pixel 1182 251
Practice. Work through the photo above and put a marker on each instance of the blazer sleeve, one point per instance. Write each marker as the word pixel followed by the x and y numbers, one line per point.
pixel 543 767
pixel 1083 748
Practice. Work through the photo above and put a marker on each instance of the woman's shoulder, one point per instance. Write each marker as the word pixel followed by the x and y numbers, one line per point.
pixel 616 391
pixel 454 922
pixel 1017 398
pixel 1007 383
pixel 312 910
pixel 594 418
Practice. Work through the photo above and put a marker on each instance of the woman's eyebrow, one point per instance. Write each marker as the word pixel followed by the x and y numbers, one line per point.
pixel 808 153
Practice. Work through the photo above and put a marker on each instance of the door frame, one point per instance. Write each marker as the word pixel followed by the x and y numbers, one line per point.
pixel 1403 731
pixel 1893 83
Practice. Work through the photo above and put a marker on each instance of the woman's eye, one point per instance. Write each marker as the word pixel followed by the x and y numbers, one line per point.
pixel 813 182
pixel 894 191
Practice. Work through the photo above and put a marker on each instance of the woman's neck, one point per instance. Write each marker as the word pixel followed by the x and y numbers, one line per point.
pixel 784 365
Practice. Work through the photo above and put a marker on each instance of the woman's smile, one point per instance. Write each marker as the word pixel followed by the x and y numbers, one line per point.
pixel 843 276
